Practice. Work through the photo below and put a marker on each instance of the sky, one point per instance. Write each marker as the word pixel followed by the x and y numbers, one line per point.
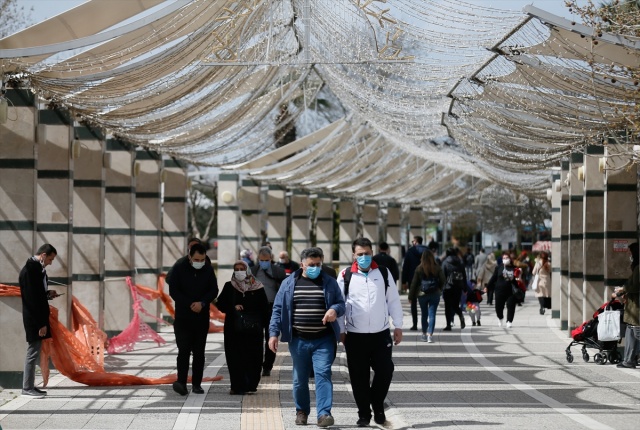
pixel 43 9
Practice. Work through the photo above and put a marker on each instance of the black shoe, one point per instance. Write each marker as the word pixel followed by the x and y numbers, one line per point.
pixel 180 388
pixel 363 422
pixel 479 323
pixel 462 323
pixel 626 366
pixel 197 389
pixel 266 372
pixel 39 391
pixel 379 418
pixel 473 323
pixel 414 328
pixel 447 328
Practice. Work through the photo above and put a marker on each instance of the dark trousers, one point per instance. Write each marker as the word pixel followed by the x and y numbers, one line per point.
pixel 414 312
pixel 451 305
pixel 489 296
pixel 505 297
pixel 244 360
pixel 191 338
pixel 269 356
pixel 367 351
pixel 32 358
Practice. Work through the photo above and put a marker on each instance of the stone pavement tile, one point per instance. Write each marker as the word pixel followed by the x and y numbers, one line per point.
pixel 23 421
pixel 67 422
pixel 153 421
pixel 110 420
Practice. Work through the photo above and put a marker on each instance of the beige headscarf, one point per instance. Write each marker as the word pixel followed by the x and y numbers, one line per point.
pixel 249 283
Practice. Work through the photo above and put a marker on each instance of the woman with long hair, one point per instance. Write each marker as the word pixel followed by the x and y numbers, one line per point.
pixel 426 287
pixel 245 304
pixel 484 275
pixel 543 270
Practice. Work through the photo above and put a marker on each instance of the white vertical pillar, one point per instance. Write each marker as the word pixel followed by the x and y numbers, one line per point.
pixel 620 220
pixel 370 222
pixel 347 232
pixel 277 218
pixel 416 222
pixel 593 224
pixel 324 226
pixel 250 215
pixel 564 249
pixel 556 201
pixel 394 231
pixel 576 269
pixel 174 213
pixel 300 225
pixel 119 233
pixel 228 225
pixel 18 184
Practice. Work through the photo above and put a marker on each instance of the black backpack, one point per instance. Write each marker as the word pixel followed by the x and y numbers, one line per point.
pixel 347 279
pixel 429 284
pixel 455 280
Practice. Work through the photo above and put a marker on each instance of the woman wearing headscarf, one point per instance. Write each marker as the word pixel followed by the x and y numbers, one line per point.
pixel 543 288
pixel 245 304
pixel 484 275
pixel 505 284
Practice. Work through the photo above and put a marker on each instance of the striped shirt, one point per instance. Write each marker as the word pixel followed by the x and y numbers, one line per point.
pixel 309 308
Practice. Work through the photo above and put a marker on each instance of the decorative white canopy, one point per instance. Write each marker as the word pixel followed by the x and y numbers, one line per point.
pixel 219 82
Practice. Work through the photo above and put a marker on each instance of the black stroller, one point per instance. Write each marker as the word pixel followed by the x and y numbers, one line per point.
pixel 587 336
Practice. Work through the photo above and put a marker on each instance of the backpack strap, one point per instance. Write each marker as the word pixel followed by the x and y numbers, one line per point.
pixel 347 279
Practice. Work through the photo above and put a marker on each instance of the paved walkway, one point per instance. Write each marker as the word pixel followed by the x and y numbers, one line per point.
pixel 477 378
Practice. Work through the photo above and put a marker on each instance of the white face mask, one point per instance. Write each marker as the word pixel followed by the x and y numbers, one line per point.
pixel 506 261
pixel 197 264
pixel 281 261
pixel 240 275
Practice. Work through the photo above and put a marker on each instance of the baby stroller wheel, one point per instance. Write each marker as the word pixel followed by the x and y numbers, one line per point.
pixel 614 357
pixel 585 356
pixel 569 357
pixel 600 358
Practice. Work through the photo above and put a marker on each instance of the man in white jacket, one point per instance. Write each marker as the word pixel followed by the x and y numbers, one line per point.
pixel 365 330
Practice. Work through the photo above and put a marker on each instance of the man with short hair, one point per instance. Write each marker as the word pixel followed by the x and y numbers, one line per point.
pixel 192 286
pixel 286 264
pixel 365 330
pixel 409 265
pixel 35 296
pixel 271 276
pixel 384 258
pixel 305 313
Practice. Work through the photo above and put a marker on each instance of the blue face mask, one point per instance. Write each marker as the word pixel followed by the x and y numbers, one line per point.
pixel 264 265
pixel 364 261
pixel 313 272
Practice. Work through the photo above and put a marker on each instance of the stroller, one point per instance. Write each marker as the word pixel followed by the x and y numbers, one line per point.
pixel 587 336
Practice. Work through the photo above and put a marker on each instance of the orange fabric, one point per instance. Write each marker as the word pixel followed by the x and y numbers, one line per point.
pixel 77 360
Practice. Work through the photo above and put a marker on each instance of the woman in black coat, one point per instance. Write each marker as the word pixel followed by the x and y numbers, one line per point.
pixel 245 304
pixel 505 284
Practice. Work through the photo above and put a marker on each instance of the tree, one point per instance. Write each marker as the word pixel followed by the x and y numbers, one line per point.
pixel 463 227
pixel 13 17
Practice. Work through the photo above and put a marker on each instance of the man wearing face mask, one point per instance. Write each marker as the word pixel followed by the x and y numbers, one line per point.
pixel 305 313
pixel 35 293
pixel 192 286
pixel 285 263
pixel 271 276
pixel 504 283
pixel 365 330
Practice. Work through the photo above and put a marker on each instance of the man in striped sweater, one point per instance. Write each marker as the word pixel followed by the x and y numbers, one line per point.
pixel 305 313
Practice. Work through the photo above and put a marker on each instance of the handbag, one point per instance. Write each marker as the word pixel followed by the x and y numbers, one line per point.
pixel 534 283
pixel 609 325
pixel 429 285
pixel 248 323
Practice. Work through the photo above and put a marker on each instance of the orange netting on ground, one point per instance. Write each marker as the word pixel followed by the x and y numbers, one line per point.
pixel 79 355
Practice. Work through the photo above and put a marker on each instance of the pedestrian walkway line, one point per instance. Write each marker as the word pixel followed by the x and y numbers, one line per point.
pixel 190 412
pixel 262 410
pixel 527 389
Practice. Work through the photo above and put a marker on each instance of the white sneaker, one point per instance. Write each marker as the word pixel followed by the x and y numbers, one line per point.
pixel 499 323
pixel 429 339
pixel 509 325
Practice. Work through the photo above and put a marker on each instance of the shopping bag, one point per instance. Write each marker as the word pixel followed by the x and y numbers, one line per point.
pixel 609 325
pixel 534 283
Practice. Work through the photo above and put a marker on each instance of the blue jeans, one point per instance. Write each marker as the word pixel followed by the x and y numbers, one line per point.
pixel 428 307
pixel 319 354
